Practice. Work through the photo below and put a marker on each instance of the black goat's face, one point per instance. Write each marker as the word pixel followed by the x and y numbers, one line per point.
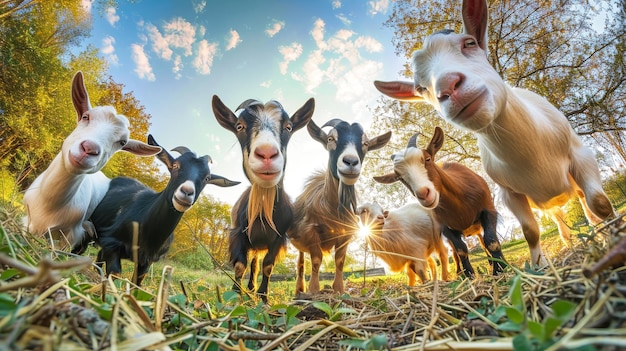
pixel 263 131
pixel 189 175
pixel 347 145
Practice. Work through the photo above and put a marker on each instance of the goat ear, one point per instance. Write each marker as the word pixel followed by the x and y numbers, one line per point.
pixel 80 98
pixel 379 141
pixel 163 155
pixel 386 213
pixel 303 115
pixel 222 181
pixel 404 91
pixel 436 142
pixel 317 133
pixel 139 148
pixel 387 178
pixel 475 20
pixel 224 116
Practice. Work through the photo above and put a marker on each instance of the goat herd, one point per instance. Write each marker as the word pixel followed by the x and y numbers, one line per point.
pixel 527 147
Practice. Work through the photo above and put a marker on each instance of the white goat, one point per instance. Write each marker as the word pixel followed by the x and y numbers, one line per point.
pixel 527 146
pixel 66 193
pixel 409 231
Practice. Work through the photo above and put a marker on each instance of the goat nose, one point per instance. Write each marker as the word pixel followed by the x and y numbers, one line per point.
pixel 422 193
pixel 448 84
pixel 90 148
pixel 266 152
pixel 351 160
pixel 187 190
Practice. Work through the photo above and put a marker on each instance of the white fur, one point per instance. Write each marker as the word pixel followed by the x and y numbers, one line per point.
pixel 409 231
pixel 66 193
pixel 527 146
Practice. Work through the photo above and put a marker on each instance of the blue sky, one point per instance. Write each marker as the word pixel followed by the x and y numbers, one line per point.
pixel 175 55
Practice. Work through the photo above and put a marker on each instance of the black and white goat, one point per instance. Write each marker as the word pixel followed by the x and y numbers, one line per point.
pixel 405 238
pixel 324 216
pixel 263 213
pixel 527 146
pixel 66 193
pixel 157 214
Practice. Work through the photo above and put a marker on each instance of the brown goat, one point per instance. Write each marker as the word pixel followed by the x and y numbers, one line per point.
pixel 460 198
pixel 324 216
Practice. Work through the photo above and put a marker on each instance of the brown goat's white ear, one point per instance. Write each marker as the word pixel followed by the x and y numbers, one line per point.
pixel 436 142
pixel 80 98
pixel 387 178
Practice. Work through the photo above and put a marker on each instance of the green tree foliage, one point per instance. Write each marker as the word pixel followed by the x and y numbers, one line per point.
pixel 205 224
pixel 36 70
pixel 549 47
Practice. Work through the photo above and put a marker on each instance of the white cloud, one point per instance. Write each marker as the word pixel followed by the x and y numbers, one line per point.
pixel 266 84
pixel 160 44
pixel 180 34
pixel 142 63
pixel 111 16
pixel 344 19
pixel 198 6
pixel 290 53
pixel 108 50
pixel 369 44
pixel 274 27
pixel 336 4
pixel 378 6
pixel 204 59
pixel 338 61
pixel 233 40
pixel 178 66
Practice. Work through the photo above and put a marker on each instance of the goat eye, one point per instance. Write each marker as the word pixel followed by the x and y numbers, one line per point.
pixel 288 128
pixel 175 166
pixel 469 43
pixel 330 139
pixel 239 127
pixel 85 117
pixel 420 89
pixel 123 142
pixel 427 158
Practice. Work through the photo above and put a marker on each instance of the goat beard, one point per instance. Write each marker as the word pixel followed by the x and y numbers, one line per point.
pixel 347 201
pixel 261 205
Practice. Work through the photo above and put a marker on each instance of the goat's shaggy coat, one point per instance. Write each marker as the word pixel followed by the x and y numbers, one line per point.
pixel 460 199
pixel 405 238
pixel 324 216
pixel 156 215
pixel 527 146
pixel 67 192
pixel 261 216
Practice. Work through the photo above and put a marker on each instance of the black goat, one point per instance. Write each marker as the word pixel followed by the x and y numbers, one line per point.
pixel 157 214
pixel 263 213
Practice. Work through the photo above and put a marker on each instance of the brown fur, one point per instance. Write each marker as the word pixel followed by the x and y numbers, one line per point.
pixel 261 204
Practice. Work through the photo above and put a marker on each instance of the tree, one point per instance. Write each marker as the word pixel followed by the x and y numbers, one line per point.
pixel 206 223
pixel 549 47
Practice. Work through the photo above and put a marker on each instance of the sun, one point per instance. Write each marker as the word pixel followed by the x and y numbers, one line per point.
pixel 363 231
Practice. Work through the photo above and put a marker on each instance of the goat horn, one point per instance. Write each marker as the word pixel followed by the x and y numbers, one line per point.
pixel 412 141
pixel 181 149
pixel 332 123
pixel 208 159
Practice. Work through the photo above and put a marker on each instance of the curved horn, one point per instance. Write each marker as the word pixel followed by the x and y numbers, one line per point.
pixel 413 141
pixel 332 123
pixel 181 149
pixel 207 158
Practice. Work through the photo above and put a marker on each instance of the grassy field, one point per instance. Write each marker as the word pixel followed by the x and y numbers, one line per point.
pixel 50 300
